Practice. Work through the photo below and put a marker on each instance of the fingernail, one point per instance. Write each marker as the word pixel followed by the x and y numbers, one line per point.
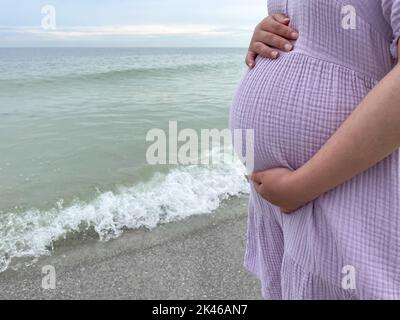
pixel 286 20
pixel 288 47
pixel 295 35
pixel 274 54
pixel 251 65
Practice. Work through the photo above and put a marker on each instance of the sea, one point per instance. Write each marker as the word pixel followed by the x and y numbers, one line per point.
pixel 74 124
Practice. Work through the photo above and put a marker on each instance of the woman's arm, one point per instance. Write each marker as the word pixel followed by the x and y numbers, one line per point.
pixel 369 135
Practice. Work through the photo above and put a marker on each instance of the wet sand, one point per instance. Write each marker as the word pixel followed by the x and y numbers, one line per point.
pixel 198 258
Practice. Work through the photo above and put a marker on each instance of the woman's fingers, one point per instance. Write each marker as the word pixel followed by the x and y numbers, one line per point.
pixel 257 182
pixel 258 188
pixel 273 26
pixel 251 59
pixel 277 42
pixel 256 178
pixel 281 18
pixel 262 49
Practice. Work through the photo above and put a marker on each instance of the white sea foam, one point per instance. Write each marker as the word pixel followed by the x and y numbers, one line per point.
pixel 179 194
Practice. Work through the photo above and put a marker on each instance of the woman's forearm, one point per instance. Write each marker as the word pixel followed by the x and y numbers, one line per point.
pixel 369 135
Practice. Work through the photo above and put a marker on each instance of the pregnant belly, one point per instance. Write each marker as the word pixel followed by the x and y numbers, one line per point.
pixel 294 105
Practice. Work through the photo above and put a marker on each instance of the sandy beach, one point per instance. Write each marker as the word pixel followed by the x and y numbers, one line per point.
pixel 197 258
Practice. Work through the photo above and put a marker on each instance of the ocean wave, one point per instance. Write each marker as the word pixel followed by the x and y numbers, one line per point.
pixel 115 74
pixel 183 192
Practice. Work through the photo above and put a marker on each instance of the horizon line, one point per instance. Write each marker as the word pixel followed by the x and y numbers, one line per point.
pixel 122 47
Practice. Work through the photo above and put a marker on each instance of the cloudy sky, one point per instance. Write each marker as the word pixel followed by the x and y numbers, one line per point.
pixel 129 22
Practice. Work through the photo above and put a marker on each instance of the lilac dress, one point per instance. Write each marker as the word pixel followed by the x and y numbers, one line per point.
pixel 345 244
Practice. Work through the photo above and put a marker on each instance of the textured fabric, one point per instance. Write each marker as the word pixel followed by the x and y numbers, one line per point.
pixel 299 284
pixel 391 12
pixel 294 104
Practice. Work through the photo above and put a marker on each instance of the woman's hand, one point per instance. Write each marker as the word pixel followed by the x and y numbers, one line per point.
pixel 271 34
pixel 282 188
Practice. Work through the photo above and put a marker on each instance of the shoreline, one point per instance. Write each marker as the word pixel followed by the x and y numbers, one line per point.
pixel 200 257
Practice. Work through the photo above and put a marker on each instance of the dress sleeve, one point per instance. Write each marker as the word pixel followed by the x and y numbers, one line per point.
pixel 391 11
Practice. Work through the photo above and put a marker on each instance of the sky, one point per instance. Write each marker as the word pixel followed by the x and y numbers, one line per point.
pixel 140 23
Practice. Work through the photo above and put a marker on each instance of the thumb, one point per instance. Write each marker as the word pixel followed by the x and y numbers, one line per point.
pixel 251 59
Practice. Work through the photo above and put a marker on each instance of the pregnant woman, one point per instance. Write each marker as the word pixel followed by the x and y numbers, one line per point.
pixel 324 213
